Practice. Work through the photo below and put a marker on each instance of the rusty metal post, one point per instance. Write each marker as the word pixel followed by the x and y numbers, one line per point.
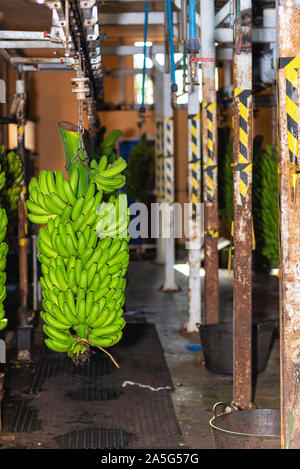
pixel 288 48
pixel 242 151
pixel 210 163
pixel 24 330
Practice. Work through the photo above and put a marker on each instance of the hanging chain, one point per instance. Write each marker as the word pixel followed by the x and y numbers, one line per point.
pixel 80 120
pixel 81 147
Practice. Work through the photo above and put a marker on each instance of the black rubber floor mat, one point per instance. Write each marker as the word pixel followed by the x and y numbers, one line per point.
pixel 52 363
pixel 26 418
pixel 94 394
pixel 144 409
pixel 94 438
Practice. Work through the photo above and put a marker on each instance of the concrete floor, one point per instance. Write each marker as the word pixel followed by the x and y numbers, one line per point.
pixel 196 388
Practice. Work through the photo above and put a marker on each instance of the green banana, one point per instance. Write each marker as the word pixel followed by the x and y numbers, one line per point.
pixel 108 330
pixel 74 179
pixel 104 341
pixel 69 192
pixel 101 318
pixel 53 322
pixel 57 334
pixel 50 182
pixel 59 179
pixel 77 208
pixel 58 346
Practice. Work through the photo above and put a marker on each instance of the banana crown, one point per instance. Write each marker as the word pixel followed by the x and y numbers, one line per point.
pixel 107 176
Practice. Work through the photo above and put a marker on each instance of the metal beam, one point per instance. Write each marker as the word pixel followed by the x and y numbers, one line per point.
pixel 135 18
pixel 25 35
pixel 45 44
pixel 221 35
pixel 223 14
pixel 259 35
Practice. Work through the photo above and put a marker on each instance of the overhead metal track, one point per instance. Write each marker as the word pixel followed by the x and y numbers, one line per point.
pixel 84 32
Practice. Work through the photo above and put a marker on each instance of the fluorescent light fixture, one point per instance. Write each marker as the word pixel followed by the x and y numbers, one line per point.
pixel 141 44
pixel 185 270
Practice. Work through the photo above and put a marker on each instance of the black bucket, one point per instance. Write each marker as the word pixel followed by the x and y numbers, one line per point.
pixel 217 346
pixel 246 429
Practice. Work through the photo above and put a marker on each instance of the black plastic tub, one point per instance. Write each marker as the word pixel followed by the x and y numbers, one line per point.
pixel 217 345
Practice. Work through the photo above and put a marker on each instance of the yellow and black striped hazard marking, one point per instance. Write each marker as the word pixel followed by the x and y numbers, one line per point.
pixel 169 160
pixel 211 234
pixel 169 179
pixel 159 160
pixel 162 176
pixel 291 66
pixel 243 166
pixel 194 162
pixel 210 168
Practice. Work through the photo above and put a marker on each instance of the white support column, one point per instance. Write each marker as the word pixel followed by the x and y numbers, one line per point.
pixel 159 157
pixel 210 163
pixel 169 188
pixel 194 241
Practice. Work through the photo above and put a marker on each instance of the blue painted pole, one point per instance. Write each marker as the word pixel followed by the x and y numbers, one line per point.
pixel 170 21
pixel 192 11
pixel 145 52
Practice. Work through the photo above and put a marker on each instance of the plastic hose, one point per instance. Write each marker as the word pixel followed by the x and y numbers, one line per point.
pixel 192 11
pixel 145 52
pixel 170 22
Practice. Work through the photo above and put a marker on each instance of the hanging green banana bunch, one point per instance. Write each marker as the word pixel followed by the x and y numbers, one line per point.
pixel 12 166
pixel 83 275
pixel 269 204
pixel 3 254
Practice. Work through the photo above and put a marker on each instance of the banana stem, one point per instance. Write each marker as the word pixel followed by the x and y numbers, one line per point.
pixel 70 140
pixel 110 356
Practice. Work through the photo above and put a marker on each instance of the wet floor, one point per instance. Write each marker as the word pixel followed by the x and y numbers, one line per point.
pixel 196 389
